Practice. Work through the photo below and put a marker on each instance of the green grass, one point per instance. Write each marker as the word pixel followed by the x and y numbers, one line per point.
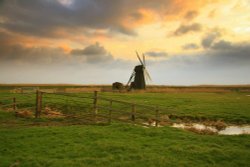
pixel 24 143
pixel 119 145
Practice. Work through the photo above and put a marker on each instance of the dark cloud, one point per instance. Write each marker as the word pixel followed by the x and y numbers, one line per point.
pixel 211 66
pixel 31 55
pixel 5 38
pixel 227 54
pixel 93 53
pixel 190 46
pixel 232 55
pixel 157 54
pixel 48 55
pixel 184 29
pixel 94 49
pixel 44 18
pixel 221 55
pixel 210 38
pixel 18 53
pixel 1 2
pixel 224 53
pixel 14 51
pixel 136 15
pixel 123 30
pixel 222 45
pixel 190 15
pixel 20 64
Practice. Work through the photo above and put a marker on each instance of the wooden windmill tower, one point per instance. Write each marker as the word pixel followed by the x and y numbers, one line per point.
pixel 139 75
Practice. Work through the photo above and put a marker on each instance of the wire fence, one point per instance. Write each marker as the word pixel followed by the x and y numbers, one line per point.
pixel 91 107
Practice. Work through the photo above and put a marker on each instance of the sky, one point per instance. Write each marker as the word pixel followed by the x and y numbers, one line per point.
pixel 186 42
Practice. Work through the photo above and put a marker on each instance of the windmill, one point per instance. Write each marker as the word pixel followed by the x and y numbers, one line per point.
pixel 139 75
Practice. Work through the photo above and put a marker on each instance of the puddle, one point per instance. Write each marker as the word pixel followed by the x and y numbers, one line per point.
pixel 195 126
pixel 229 130
pixel 235 130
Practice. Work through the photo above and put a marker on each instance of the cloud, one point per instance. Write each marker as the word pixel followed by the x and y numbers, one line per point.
pixel 184 29
pixel 222 45
pixel 225 53
pixel 31 55
pixel 17 53
pixel 94 49
pixel 236 56
pixel 13 50
pixel 124 30
pixel 90 65
pixel 157 54
pixel 44 18
pixel 210 38
pixel 211 66
pixel 190 15
pixel 190 46
pixel 93 53
pixel 136 15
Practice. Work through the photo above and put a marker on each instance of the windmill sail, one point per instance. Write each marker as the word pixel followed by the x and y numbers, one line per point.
pixel 148 78
pixel 131 77
pixel 139 58
pixel 144 62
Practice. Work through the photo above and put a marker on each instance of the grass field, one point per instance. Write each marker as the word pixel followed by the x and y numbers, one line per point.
pixel 28 142
pixel 119 145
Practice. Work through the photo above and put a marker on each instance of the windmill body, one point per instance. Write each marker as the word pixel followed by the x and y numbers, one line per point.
pixel 139 80
pixel 139 75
